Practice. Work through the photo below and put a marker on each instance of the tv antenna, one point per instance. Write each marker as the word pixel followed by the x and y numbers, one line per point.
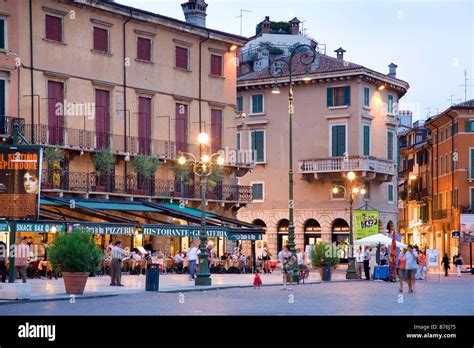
pixel 241 18
pixel 465 85
pixel 303 29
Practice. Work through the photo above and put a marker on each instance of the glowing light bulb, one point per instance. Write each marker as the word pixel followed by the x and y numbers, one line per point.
pixel 203 138
pixel 351 175
pixel 182 160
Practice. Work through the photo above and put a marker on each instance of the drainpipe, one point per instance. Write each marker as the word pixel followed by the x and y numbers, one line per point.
pixel 125 94
pixel 32 68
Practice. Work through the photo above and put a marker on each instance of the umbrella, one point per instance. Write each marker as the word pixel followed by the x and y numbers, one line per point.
pixel 378 239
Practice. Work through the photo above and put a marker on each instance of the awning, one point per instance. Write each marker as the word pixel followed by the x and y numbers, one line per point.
pixel 4 227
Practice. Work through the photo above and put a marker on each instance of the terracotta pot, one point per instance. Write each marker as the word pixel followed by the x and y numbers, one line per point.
pixel 75 282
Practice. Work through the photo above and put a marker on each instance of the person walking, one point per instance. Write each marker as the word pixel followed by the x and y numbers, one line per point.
pixel 266 256
pixel 366 263
pixel 192 256
pixel 116 265
pixel 3 261
pixel 420 275
pixel 411 258
pixel 401 268
pixel 445 264
pixel 359 262
pixel 288 262
pixel 21 258
pixel 458 263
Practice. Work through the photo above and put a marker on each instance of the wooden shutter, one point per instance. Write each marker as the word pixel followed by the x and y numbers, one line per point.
pixel 101 39
pixel 347 95
pixel 144 125
pixel 468 126
pixel 181 57
pixel 102 118
pixel 257 103
pixel 390 145
pixel 54 28
pixel 2 33
pixel 216 130
pixel 239 103
pixel 257 191
pixel 144 49
pixel 471 166
pixel 366 140
pixel 2 107
pixel 238 140
pixel 330 101
pixel 181 127
pixel 55 112
pixel 216 65
pixel 258 145
pixel 338 140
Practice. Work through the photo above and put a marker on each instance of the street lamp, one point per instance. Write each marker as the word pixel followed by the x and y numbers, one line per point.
pixel 355 190
pixel 307 57
pixel 202 167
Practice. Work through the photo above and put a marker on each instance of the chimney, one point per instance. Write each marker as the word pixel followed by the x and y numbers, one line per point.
pixel 392 72
pixel 340 53
pixel 295 26
pixel 266 25
pixel 195 12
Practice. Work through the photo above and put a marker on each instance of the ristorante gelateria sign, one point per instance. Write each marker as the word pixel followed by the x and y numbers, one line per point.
pixel 194 231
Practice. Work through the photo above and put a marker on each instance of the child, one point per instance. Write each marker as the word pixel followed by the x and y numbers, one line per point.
pixel 257 281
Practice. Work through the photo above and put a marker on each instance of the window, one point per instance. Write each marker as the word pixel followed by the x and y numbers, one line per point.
pixel 390 104
pixel 339 96
pixel 447 133
pixel 216 130
pixel 441 165
pixel 456 198
pixel 390 193
pixel 340 192
pixel 257 191
pixel 446 163
pixel 144 49
pixel 239 141
pixel 216 65
pixel 455 128
pixel 390 145
pixel 472 199
pixel 54 28
pixel 257 145
pixel 181 127
pixel 440 201
pixel 435 202
pixel 366 140
pixel 338 140
pixel 144 125
pixel 3 34
pixel 471 163
pixel 102 121
pixel 366 97
pixel 435 138
pixel 440 135
pixel 55 119
pixel 469 126
pixel 435 167
pixel 101 40
pixel 257 104
pixel 182 58
pixel 240 103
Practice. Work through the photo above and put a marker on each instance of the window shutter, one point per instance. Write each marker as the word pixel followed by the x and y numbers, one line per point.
pixel 53 28
pixel 2 33
pixel 101 38
pixel 238 140
pixel 334 140
pixel 216 65
pixel 257 191
pixel 341 140
pixel 239 103
pixel 216 130
pixel 144 125
pixel 330 101
pixel 181 57
pixel 144 49
pixel 468 126
pixel 366 140
pixel 181 127
pixel 472 199
pixel 2 97
pixel 347 95
pixel 390 145
pixel 259 146
pixel 472 164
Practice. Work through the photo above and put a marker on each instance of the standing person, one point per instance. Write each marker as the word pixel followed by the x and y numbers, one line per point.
pixel 411 258
pixel 359 262
pixel 445 264
pixel 257 281
pixel 458 263
pixel 401 268
pixel 192 256
pixel 116 265
pixel 366 263
pixel 266 256
pixel 421 265
pixel 3 259
pixel 21 259
pixel 288 262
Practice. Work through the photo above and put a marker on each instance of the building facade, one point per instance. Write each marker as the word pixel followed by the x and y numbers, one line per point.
pixel 345 119
pixel 100 75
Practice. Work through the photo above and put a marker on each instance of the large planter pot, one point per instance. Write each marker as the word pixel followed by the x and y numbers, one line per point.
pixel 75 282
pixel 325 276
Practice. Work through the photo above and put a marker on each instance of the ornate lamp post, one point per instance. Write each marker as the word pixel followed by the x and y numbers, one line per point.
pixel 354 191
pixel 202 167
pixel 276 69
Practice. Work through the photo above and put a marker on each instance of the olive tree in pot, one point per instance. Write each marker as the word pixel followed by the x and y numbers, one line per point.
pixel 182 175
pixel 325 255
pixel 216 176
pixel 75 255
pixel 104 162
pixel 146 167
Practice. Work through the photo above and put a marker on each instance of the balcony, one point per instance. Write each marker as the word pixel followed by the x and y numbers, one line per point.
pixel 7 124
pixel 369 167
pixel 85 183
pixel 440 214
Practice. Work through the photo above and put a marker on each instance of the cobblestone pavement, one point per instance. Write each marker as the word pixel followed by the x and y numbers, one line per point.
pixel 447 296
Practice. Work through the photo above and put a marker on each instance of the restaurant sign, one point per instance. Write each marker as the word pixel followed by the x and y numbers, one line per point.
pixel 244 236
pixel 182 231
pixel 40 227
pixel 103 228
pixel 4 227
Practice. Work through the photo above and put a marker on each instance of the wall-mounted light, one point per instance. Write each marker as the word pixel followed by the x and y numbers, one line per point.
pixel 381 87
pixel 233 48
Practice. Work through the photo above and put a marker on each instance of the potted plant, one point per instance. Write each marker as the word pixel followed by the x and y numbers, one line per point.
pixel 53 157
pixel 324 256
pixel 146 166
pixel 104 162
pixel 75 255
pixel 182 178
pixel 216 176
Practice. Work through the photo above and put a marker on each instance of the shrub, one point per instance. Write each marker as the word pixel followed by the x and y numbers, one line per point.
pixel 324 254
pixel 75 252
pixel 146 165
pixel 104 161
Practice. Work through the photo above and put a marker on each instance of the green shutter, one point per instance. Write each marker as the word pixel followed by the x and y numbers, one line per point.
pixel 347 95
pixel 390 145
pixel 472 198
pixel 338 140
pixel 257 191
pixel 330 92
pixel 472 163
pixel 2 33
pixel 468 125
pixel 238 141
pixel 260 146
pixel 334 141
pixel 239 104
pixel 2 97
pixel 366 141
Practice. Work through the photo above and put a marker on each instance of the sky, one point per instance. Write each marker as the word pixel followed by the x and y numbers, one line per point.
pixel 432 42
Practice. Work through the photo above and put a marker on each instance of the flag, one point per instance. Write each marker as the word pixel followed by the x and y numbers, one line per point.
pixel 393 255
